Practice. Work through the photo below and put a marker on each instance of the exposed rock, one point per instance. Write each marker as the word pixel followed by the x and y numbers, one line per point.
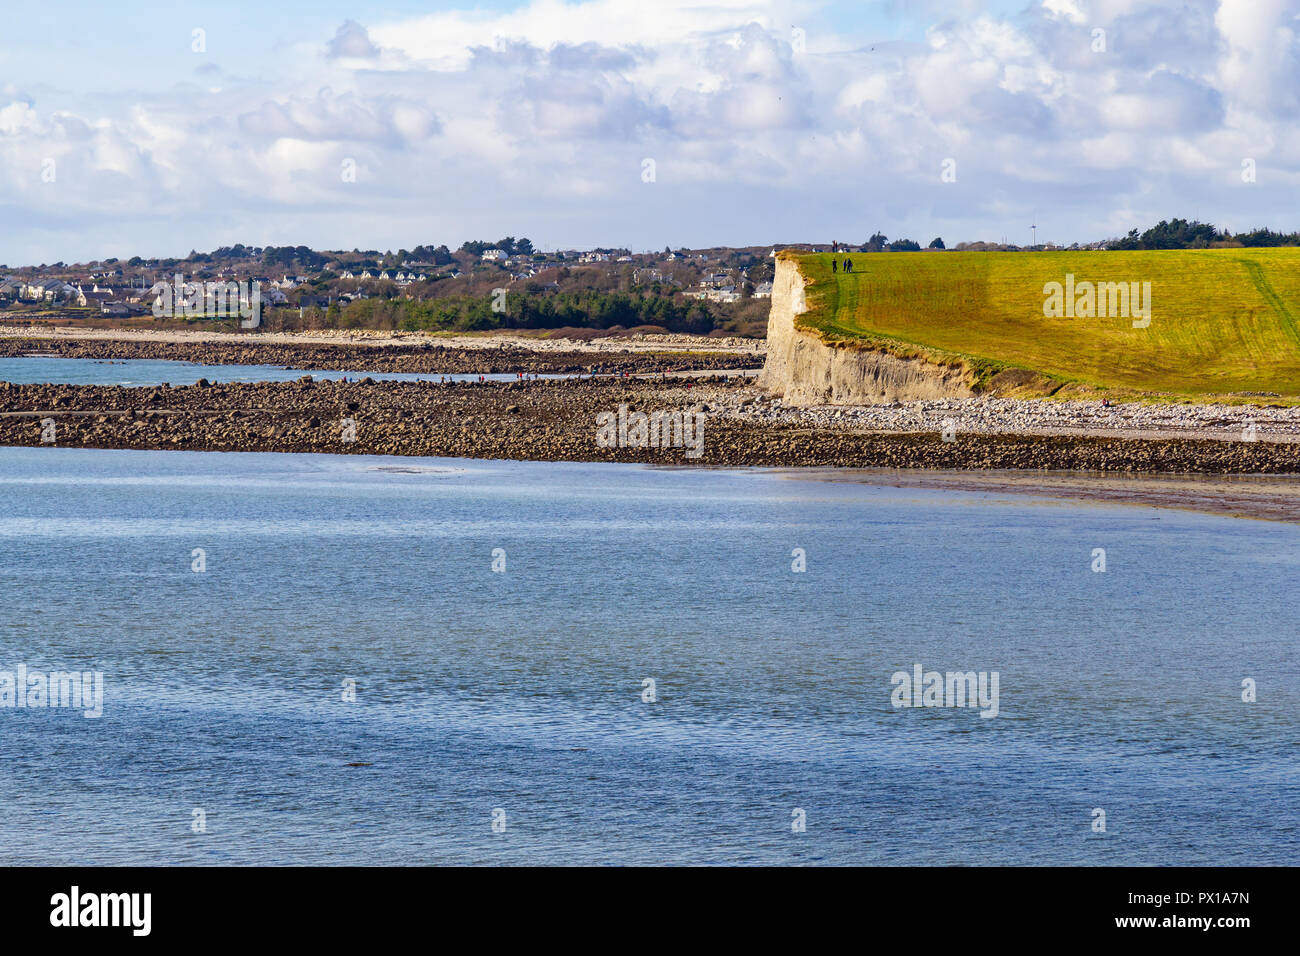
pixel 804 370
pixel 556 421
pixel 423 358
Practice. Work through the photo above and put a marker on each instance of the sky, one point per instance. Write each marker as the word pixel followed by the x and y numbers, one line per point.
pixel 156 128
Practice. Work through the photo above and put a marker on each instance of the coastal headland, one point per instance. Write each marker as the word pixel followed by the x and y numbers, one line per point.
pixel 1198 325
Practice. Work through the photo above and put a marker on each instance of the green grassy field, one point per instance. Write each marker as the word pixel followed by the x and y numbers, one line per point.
pixel 1223 321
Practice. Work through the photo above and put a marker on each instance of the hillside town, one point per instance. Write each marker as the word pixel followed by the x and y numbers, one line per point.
pixel 719 289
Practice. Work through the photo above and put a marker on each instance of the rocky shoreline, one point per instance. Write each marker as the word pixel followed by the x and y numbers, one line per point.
pixel 423 357
pixel 1276 423
pixel 557 420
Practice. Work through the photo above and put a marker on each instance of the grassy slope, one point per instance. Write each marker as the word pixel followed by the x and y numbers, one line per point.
pixel 1222 320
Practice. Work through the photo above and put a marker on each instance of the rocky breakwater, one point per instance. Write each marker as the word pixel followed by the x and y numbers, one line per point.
pixel 803 369
pixel 558 420
pixel 420 358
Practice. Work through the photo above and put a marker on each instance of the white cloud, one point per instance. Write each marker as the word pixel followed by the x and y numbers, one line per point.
pixel 352 42
pixel 1065 10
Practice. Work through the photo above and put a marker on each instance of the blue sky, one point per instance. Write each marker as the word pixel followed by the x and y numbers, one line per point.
pixel 387 126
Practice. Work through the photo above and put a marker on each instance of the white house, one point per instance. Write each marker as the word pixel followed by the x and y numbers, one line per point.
pixel 49 290
pixel 95 297
pixel 494 255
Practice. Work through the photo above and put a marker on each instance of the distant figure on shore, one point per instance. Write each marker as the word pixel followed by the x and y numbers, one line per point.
pixel 848 265
pixel 835 265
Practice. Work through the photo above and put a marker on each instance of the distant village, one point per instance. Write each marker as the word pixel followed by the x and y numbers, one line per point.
pixel 302 278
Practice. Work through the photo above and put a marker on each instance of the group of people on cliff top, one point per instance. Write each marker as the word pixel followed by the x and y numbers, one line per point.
pixel 835 263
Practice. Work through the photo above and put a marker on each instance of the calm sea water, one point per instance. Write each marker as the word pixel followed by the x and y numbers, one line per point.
pixel 36 369
pixel 522 691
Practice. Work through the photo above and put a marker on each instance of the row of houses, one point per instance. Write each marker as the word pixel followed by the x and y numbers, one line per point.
pixel 729 293
pixel 118 301
pixel 112 301
pixel 401 278
pixel 722 287
pixel 38 290
pixel 602 257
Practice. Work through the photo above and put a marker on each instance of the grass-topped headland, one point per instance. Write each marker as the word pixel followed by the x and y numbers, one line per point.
pixel 1177 323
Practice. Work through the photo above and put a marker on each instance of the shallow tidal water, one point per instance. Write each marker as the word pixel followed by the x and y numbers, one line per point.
pixel 55 370
pixel 521 691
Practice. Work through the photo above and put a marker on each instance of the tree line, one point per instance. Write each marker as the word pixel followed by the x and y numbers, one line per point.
pixel 587 308
pixel 1182 234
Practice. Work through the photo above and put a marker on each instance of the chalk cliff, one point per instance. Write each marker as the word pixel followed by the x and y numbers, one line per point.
pixel 801 369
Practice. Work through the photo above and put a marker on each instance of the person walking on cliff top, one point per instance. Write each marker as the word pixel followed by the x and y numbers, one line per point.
pixel 848 265
pixel 835 265
pixel 835 246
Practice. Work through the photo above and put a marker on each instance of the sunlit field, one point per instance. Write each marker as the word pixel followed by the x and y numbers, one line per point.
pixel 1222 321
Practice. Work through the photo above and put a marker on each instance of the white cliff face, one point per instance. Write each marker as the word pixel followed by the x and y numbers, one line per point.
pixel 803 370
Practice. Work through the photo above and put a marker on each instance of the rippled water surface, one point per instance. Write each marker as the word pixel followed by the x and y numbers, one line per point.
pixel 523 690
